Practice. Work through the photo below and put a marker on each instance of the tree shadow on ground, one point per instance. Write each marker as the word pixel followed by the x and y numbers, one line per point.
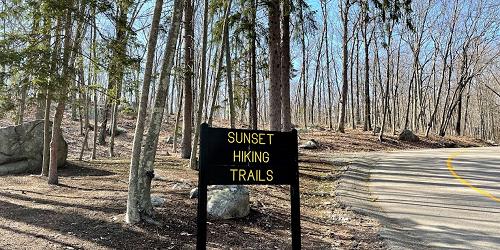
pixel 74 169
pixel 260 230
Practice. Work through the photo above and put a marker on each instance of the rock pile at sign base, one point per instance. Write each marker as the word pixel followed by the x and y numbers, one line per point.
pixel 226 202
pixel 408 135
pixel 21 148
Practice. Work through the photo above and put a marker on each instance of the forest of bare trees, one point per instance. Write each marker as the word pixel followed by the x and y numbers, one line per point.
pixel 429 66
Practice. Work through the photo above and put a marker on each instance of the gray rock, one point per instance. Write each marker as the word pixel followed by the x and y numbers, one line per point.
pixel 193 193
pixel 118 131
pixel 226 202
pixel 229 202
pixel 169 140
pixel 21 148
pixel 408 135
pixel 448 144
pixel 181 185
pixel 311 144
pixel 157 201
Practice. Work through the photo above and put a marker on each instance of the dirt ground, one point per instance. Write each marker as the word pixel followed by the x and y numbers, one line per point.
pixel 86 211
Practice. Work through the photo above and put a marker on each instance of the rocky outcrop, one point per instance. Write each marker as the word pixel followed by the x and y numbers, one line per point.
pixel 408 135
pixel 21 148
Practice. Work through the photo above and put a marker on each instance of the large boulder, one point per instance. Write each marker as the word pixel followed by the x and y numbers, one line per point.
pixel 21 148
pixel 226 202
pixel 229 202
pixel 408 135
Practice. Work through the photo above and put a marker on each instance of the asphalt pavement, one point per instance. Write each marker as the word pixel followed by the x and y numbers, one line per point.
pixel 437 199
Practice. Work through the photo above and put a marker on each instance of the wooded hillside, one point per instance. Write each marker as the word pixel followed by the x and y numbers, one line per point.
pixel 429 66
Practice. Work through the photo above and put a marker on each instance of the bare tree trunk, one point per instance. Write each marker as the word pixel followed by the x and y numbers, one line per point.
pixel 316 73
pixel 358 108
pixel 443 73
pixel 367 121
pixel 133 213
pixel 274 66
pixel 56 127
pixel 353 123
pixel 329 84
pixel 114 117
pixel 22 101
pixel 229 78
pixel 177 118
pixel 218 74
pixel 253 65
pixel 93 79
pixel 303 69
pixel 395 94
pixel 285 68
pixel 467 110
pixel 94 143
pixel 342 116
pixel 176 95
pixel 386 95
pixel 86 111
pixel 46 125
pixel 40 107
pixel 146 170
pixel 46 134
pixel 458 126
pixel 119 54
pixel 377 74
pixel 55 142
pixel 217 81
pixel 193 162
pixel 187 122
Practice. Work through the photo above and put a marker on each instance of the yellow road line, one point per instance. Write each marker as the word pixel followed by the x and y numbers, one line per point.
pixel 466 183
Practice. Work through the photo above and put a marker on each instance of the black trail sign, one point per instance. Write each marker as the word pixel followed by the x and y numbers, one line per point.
pixel 247 157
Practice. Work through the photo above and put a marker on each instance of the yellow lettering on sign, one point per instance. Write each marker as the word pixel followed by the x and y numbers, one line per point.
pixel 251 175
pixel 234 173
pixel 269 174
pixel 270 137
pixel 244 175
pixel 230 137
pixel 250 156
pixel 241 174
pixel 249 138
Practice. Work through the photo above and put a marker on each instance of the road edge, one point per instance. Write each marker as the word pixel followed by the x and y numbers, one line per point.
pixel 353 192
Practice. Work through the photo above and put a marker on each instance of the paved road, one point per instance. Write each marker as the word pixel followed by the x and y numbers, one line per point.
pixel 446 199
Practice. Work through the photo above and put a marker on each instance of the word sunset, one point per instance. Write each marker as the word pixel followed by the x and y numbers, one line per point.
pixel 250 173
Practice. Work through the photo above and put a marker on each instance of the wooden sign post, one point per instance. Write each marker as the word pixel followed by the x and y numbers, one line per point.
pixel 247 157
